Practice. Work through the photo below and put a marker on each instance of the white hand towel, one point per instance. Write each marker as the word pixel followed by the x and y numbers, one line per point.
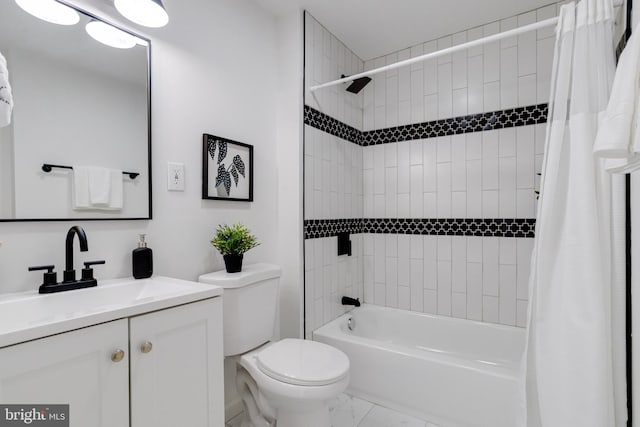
pixel 80 186
pixel 6 97
pixel 99 186
pixel 617 139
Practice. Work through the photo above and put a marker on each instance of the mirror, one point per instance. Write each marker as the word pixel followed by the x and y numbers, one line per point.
pixel 77 102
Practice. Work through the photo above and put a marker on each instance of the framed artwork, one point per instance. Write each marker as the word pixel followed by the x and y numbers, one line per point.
pixel 227 169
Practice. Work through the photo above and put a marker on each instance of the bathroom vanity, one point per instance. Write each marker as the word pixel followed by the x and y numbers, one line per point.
pixel 126 353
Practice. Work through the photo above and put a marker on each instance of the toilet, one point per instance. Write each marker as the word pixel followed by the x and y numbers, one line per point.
pixel 286 383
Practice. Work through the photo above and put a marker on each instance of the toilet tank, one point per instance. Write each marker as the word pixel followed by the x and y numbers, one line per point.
pixel 249 302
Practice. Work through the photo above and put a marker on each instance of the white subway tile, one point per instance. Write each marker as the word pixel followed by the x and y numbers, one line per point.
pixel 404 246
pixel 525 142
pixel 417 95
pixel 404 171
pixel 431 107
pixel 444 43
pixel 474 146
pixel 507 142
pixel 391 284
pixel 506 25
pixel 390 155
pixel 430 262
pixel 476 85
pixel 404 272
pixel 474 176
pixel 430 301
pixel 404 76
pixel 490 204
pixel 368 278
pixel 391 58
pixel 459 69
pixel 391 245
pixel 491 55
pixel 490 266
pixel 458 163
pixel 492 96
pixel 474 249
pixel 544 68
pixel 430 69
pixel 459 102
pixel 416 152
pixel 474 34
pixel 524 249
pixel 540 135
pixel 404 297
pixel 429 155
pixel 509 78
pixel 416 247
pixel 444 288
pixel 416 51
pixel 444 248
pixel 507 169
pixel 378 169
pixel 459 264
pixel 459 204
pixel 459 305
pixel 444 190
pixel 527 90
pixel 416 285
pixel 379 206
pixel 474 291
pixel 380 294
pixel 543 14
pixel 525 203
pixel 474 204
pixel 444 149
pixel 507 203
pixel 490 163
pixel 508 295
pixel 391 103
pixel 508 251
pixel 445 91
pixel 404 206
pixel 430 205
pixel 367 241
pixel 490 309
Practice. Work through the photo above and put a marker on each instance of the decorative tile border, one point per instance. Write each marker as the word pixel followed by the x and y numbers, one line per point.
pixel 491 227
pixel 513 117
pixel 328 124
pixel 318 228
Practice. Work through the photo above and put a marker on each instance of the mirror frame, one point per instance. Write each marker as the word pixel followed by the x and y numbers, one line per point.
pixel 149 152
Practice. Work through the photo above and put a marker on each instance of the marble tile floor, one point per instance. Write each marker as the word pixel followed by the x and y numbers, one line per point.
pixel 348 411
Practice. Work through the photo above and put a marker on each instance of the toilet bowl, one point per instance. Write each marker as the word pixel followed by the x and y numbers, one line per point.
pixel 287 383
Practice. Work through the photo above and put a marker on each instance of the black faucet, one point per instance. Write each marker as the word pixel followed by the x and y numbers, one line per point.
pixel 69 274
pixel 50 283
pixel 351 301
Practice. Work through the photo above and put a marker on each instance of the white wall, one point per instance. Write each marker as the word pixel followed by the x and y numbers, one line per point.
pixel 214 71
pixel 85 118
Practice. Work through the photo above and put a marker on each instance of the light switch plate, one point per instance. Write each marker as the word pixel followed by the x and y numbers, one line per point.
pixel 175 176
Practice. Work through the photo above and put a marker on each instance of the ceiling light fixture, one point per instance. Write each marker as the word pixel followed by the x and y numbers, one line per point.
pixel 110 35
pixel 50 11
pixel 149 13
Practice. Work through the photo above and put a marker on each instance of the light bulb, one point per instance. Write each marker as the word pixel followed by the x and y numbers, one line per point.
pixel 50 11
pixel 149 13
pixel 110 35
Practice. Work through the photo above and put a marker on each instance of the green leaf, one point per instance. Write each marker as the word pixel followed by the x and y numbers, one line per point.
pixel 234 240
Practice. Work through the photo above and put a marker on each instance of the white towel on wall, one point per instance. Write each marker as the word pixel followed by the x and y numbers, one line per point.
pixel 97 188
pixel 618 139
pixel 6 97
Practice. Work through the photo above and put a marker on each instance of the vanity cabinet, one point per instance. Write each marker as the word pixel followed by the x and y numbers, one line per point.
pixel 163 368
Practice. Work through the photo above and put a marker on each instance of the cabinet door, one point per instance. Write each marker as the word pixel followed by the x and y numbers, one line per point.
pixel 73 368
pixel 177 380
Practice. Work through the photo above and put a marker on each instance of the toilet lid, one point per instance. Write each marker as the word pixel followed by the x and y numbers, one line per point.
pixel 303 362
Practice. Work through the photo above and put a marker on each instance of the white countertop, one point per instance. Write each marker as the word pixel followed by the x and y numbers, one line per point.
pixel 28 315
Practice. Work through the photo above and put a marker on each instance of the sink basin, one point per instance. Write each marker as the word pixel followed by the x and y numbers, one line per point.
pixel 27 316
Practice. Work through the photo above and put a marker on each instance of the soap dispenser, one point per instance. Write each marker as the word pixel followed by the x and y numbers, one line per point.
pixel 142 258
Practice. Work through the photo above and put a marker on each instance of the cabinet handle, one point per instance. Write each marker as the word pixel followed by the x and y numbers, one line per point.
pixel 146 347
pixel 117 356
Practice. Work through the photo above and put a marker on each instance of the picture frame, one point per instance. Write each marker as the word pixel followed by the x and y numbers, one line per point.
pixel 227 169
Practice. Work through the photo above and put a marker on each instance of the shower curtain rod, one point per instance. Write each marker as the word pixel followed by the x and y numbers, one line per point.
pixel 468 45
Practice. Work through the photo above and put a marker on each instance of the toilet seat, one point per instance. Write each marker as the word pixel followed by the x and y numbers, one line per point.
pixel 303 362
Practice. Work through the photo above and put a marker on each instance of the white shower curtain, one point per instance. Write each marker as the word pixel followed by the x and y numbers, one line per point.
pixel 568 365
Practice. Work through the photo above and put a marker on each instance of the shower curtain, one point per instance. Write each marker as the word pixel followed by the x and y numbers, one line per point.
pixel 568 365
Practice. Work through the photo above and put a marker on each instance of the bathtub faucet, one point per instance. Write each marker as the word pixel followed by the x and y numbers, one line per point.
pixel 351 301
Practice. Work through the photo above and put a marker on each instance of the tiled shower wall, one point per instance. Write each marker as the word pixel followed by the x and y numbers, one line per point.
pixel 332 178
pixel 474 162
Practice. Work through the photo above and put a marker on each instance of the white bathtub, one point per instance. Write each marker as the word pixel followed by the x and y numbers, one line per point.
pixel 455 373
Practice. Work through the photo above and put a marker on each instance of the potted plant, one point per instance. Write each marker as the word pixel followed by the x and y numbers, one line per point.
pixel 232 241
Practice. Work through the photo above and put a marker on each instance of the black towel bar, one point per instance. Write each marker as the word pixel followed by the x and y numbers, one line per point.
pixel 47 168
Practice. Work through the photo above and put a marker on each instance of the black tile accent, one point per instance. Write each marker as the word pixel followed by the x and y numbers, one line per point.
pixel 492 227
pixel 328 124
pixel 512 117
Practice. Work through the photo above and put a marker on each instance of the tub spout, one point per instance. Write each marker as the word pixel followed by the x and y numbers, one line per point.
pixel 351 301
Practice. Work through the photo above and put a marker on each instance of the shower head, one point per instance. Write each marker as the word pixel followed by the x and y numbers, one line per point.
pixel 358 84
